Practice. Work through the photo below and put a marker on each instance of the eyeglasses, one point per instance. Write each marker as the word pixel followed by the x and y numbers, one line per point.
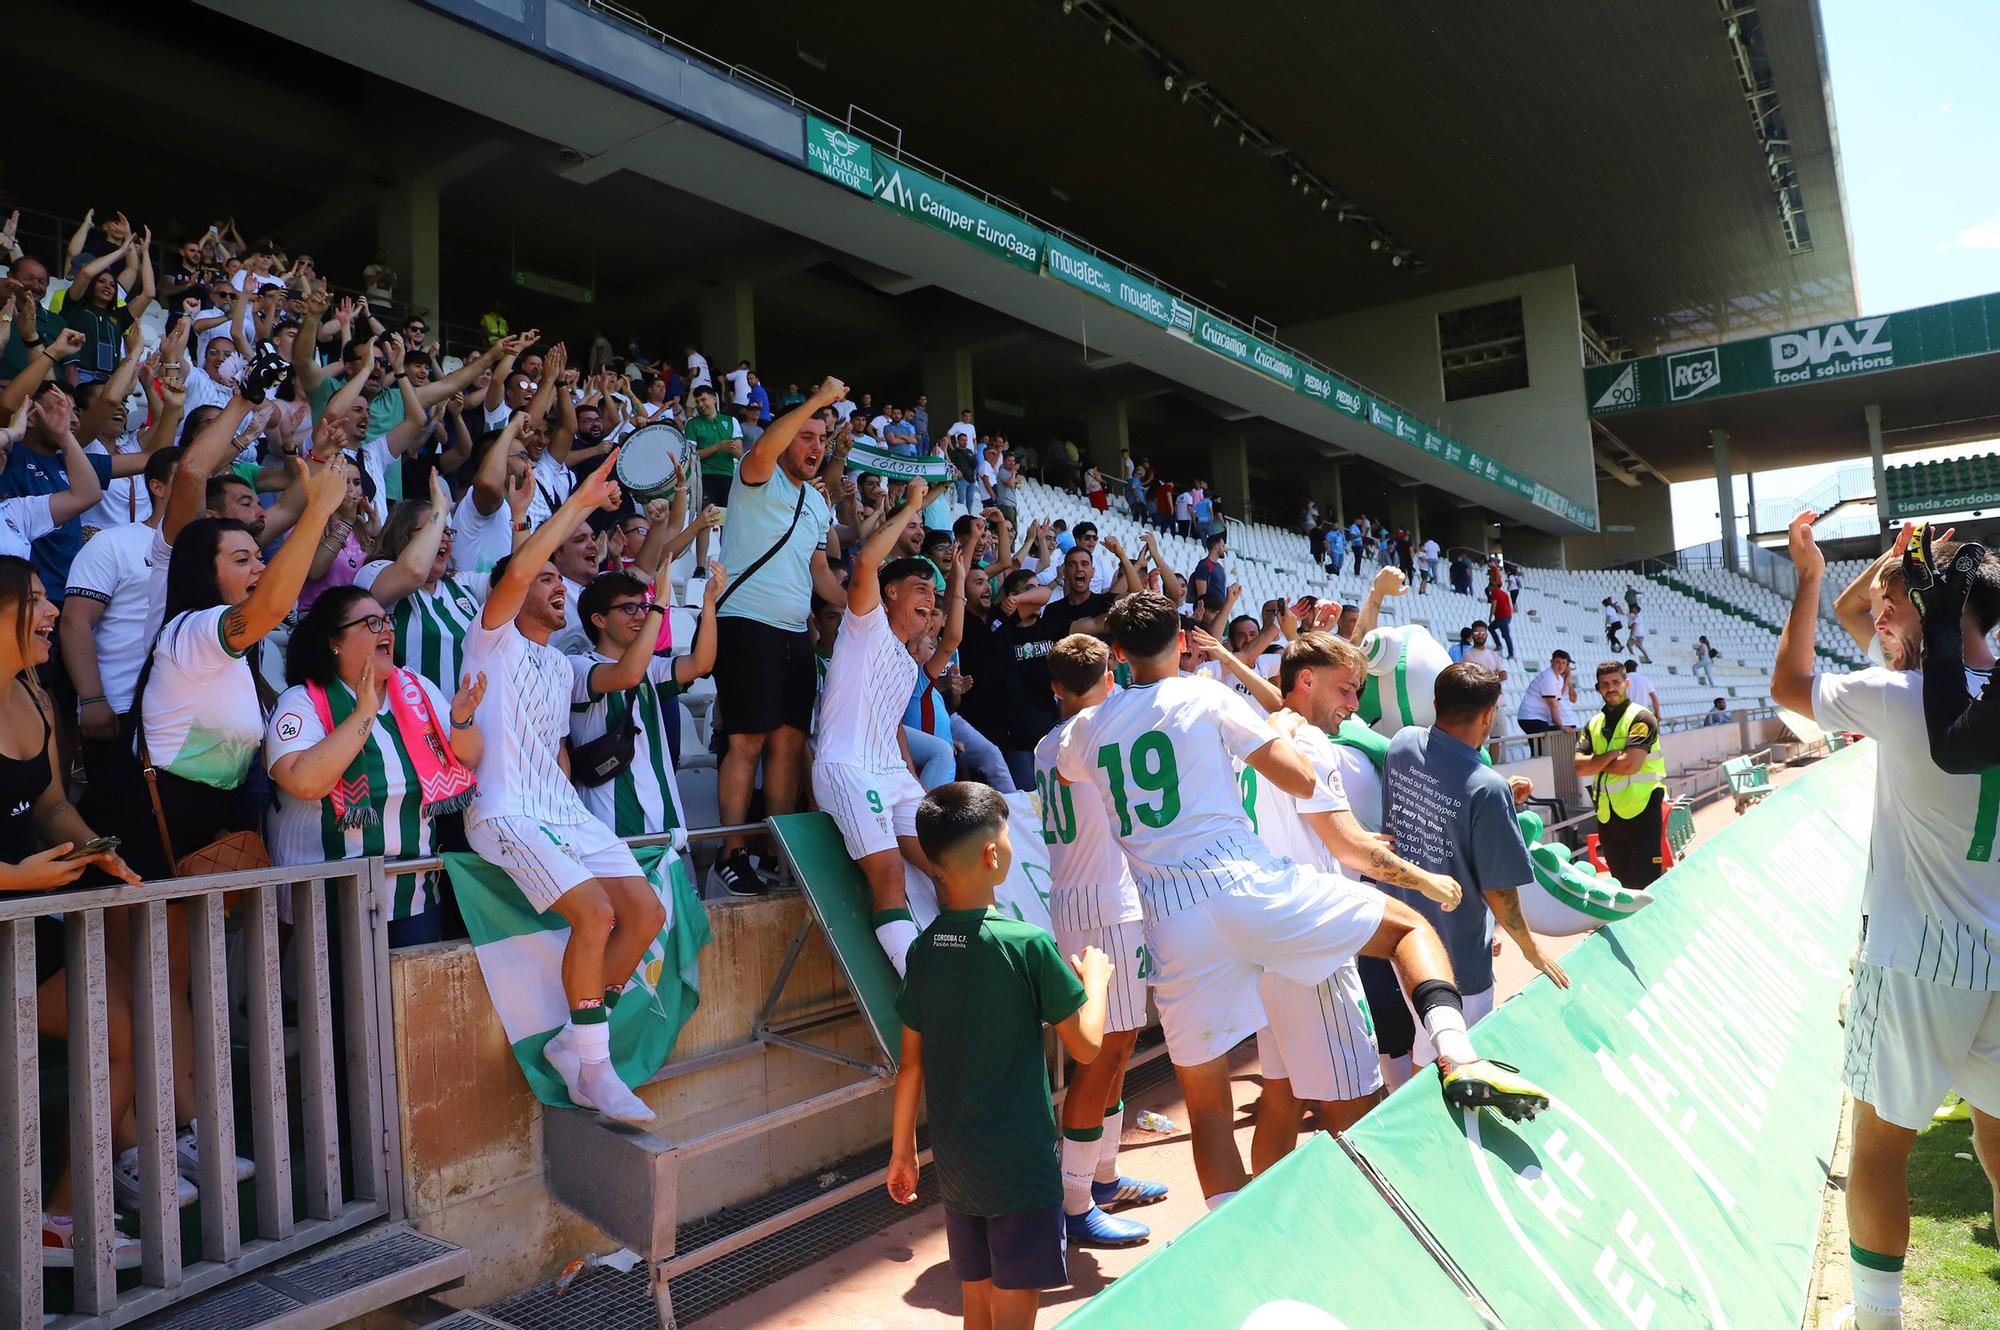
pixel 632 609
pixel 374 623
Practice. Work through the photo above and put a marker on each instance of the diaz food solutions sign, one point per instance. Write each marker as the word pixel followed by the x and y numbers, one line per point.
pixel 1969 327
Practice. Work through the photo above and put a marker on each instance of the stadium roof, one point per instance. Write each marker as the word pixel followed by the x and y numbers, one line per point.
pixel 1486 140
pixel 1801 396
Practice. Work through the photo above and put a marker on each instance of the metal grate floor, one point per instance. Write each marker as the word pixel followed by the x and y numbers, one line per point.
pixel 603 1299
pixel 608 1300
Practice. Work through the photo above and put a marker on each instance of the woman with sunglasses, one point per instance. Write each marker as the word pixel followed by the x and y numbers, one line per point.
pixel 367 756
pixel 431 607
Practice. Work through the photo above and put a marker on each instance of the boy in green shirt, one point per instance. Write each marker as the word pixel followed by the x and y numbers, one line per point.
pixel 979 988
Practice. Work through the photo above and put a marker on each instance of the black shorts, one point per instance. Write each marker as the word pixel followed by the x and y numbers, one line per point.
pixel 1014 1251
pixel 1632 845
pixel 763 677
pixel 1535 726
pixel 715 490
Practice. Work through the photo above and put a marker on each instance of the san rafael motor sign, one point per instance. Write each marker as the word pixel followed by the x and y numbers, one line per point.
pixel 840 156
pixel 1868 345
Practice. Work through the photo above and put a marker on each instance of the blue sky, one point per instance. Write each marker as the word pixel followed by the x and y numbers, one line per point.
pixel 1917 110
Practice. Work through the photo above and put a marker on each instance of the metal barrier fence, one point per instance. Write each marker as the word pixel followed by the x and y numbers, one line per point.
pixel 321 1122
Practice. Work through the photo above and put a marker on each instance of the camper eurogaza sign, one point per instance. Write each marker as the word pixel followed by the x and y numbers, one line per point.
pixel 1878 342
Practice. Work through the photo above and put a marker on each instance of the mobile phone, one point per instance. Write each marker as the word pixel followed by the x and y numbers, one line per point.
pixel 95 846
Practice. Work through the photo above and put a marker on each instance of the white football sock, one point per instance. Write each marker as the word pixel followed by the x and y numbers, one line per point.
pixel 1878 1294
pixel 592 1041
pixel 1446 1026
pixel 1107 1157
pixel 1077 1159
pixel 1215 1202
pixel 896 937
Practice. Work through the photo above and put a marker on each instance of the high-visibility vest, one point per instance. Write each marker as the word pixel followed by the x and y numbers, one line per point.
pixel 1625 796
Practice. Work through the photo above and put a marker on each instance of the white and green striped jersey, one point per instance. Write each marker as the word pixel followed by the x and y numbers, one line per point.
pixel 1281 819
pixel 1089 883
pixel 644 798
pixel 1163 756
pixel 1404 661
pixel 307 833
pixel 431 624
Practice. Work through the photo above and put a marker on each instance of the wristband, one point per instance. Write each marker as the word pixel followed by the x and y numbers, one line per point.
pixel 31 343
pixel 86 701
pixel 458 724
pixel 521 526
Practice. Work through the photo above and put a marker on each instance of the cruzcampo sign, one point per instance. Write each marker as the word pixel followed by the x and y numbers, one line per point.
pixel 838 155
pixel 950 209
pixel 1951 331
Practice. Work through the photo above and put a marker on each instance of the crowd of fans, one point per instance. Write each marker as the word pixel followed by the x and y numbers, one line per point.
pixel 291 585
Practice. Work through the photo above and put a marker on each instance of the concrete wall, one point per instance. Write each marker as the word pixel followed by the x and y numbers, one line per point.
pixel 472 1139
pixel 1542 430
pixel 1645 509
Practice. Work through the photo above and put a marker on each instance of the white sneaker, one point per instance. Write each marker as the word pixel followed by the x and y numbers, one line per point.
pixel 187 1149
pixel 599 1087
pixel 125 1181
pixel 59 1245
pixel 563 1059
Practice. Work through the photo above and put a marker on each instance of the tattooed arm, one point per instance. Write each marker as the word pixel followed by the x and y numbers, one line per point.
pixel 1374 856
pixel 1505 902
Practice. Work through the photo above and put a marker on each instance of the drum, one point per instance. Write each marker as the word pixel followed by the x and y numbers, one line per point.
pixel 654 462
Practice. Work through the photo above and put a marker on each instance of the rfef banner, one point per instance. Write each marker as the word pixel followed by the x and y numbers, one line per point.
pixel 1676 1178
pixel 1309 1247
pixel 1694 1067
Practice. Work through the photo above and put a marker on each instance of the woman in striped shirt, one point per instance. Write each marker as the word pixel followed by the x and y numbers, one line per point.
pixel 431 607
pixel 365 755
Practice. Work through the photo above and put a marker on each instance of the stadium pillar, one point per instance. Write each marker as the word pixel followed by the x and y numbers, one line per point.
pixel 1339 499
pixel 1725 499
pixel 1403 513
pixel 1107 431
pixel 948 383
pixel 407 222
pixel 1884 527
pixel 729 326
pixel 1229 461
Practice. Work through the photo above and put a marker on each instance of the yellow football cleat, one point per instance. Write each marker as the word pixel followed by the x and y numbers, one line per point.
pixel 1495 1085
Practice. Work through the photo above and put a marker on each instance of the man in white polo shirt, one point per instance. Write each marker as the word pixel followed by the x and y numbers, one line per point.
pixel 1924 1017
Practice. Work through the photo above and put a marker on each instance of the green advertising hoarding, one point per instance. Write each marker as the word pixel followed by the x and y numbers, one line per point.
pixel 1694 1070
pixel 840 156
pixel 1309 1247
pixel 1107 281
pixel 851 162
pixel 950 209
pixel 1232 343
pixel 1676 1179
pixel 1958 328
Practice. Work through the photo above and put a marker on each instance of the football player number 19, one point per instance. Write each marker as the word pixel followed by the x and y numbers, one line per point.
pixel 1151 768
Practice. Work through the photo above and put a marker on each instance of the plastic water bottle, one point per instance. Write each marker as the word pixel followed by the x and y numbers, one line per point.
pixel 1151 1121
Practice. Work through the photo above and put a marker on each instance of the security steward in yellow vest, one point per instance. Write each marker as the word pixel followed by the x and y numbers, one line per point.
pixel 1620 749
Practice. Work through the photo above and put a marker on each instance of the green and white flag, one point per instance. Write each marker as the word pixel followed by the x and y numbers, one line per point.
pixel 520 953
pixel 867 455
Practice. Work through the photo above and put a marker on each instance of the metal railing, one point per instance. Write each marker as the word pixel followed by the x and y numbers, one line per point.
pixel 321 1122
